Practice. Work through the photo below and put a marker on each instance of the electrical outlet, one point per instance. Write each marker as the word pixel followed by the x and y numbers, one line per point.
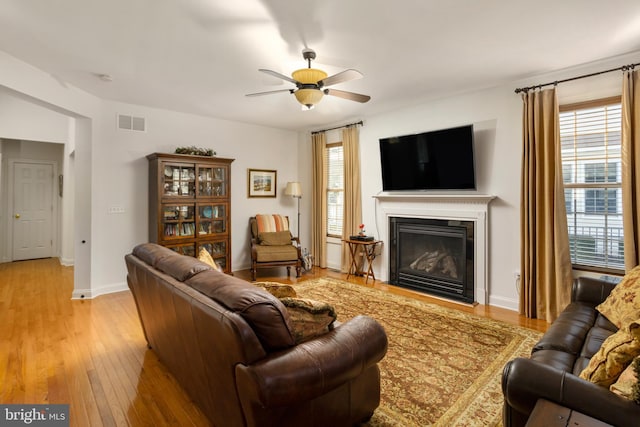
pixel 516 274
pixel 116 210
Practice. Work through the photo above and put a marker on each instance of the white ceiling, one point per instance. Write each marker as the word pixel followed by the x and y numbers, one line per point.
pixel 202 56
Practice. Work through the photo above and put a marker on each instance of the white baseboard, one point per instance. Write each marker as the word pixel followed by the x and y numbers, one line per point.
pixel 96 292
pixel 67 262
pixel 508 303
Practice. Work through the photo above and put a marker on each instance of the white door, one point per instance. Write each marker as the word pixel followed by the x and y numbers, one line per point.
pixel 32 210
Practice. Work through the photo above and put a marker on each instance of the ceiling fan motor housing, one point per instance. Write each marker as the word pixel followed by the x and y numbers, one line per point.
pixel 309 54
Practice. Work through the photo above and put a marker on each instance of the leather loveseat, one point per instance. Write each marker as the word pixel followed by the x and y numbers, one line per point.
pixel 229 345
pixel 552 372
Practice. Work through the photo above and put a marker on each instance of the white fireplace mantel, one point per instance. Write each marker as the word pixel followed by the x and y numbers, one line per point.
pixel 473 198
pixel 454 206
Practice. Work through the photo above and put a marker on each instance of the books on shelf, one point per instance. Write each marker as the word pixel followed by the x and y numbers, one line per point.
pixel 184 229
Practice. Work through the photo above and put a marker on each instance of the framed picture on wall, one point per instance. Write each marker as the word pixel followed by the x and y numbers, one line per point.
pixel 261 183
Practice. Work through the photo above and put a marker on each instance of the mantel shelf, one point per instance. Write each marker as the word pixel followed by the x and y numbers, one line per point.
pixel 437 198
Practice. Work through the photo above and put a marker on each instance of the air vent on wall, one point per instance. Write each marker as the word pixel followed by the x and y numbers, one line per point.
pixel 132 123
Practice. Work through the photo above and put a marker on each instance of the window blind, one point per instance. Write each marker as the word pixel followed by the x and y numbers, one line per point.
pixel 335 189
pixel 591 165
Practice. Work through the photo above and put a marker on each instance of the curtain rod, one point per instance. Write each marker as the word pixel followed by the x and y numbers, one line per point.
pixel 338 127
pixel 623 68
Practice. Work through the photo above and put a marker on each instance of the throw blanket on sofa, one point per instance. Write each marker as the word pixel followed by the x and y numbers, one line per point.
pixel 271 223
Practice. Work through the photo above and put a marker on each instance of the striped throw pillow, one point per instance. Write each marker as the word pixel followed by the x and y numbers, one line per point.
pixel 271 223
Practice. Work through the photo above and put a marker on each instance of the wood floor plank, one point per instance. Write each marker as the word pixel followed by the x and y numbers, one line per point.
pixel 92 355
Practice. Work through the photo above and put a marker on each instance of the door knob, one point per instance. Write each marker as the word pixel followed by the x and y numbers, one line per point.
pixel 17 215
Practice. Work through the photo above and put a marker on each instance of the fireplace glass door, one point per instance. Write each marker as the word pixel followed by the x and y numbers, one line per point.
pixel 434 256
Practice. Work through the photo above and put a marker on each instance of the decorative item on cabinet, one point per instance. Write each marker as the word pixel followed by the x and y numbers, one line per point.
pixel 190 204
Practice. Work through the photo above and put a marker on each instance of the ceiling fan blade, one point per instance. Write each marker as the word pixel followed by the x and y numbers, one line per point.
pixel 351 96
pixel 269 92
pixel 343 76
pixel 278 75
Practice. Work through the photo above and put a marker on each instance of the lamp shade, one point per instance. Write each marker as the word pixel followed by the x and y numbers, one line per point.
pixel 308 97
pixel 293 189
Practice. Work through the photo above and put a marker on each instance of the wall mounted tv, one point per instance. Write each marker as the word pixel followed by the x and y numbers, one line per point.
pixel 436 160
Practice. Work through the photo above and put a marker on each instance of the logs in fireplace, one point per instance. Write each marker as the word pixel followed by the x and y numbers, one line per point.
pixel 434 256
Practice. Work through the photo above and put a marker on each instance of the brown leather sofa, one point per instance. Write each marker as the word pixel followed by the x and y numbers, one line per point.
pixel 229 345
pixel 552 372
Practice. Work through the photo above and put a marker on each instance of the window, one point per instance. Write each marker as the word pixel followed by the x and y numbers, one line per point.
pixel 335 189
pixel 591 169
pixel 599 201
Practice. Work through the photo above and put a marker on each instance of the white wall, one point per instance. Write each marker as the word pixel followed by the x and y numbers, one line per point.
pixel 23 120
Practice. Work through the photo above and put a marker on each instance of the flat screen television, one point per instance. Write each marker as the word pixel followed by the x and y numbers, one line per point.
pixel 436 160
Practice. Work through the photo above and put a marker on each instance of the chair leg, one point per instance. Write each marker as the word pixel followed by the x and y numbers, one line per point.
pixel 297 271
pixel 253 274
pixel 288 271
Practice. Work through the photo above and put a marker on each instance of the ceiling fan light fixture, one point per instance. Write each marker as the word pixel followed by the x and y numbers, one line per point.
pixel 309 75
pixel 308 97
pixel 311 83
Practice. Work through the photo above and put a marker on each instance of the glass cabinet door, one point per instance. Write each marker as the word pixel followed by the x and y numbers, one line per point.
pixel 186 249
pixel 178 221
pixel 212 218
pixel 212 181
pixel 218 251
pixel 179 180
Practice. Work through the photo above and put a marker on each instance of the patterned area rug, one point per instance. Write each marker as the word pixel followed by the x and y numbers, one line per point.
pixel 443 367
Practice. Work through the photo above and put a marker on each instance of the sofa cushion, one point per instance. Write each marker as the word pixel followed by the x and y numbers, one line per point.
pixel 266 315
pixel 181 267
pixel 556 358
pixel 594 340
pixel 614 356
pixel 604 323
pixel 627 385
pixel 276 253
pixel 274 238
pixel 580 365
pixel 309 318
pixel 567 333
pixel 151 253
pixel 623 299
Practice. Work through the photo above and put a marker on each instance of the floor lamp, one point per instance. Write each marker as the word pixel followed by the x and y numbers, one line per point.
pixel 294 189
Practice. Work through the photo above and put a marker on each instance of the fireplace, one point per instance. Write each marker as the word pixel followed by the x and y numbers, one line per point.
pixel 471 207
pixel 435 256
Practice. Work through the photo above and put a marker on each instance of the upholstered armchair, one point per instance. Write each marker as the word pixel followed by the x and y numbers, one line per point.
pixel 272 244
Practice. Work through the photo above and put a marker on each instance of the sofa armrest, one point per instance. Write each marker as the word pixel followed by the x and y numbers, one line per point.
pixel 591 290
pixel 524 381
pixel 314 367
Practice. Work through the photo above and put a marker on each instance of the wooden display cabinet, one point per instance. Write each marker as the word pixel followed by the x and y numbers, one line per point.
pixel 190 205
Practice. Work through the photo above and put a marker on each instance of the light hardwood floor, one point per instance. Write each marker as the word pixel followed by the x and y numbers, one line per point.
pixel 92 354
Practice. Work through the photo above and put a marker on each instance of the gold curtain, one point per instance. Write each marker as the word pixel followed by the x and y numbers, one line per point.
pixel 631 168
pixel 352 194
pixel 546 274
pixel 319 200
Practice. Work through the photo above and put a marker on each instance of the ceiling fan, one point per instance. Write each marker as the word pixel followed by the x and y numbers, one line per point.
pixel 311 83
